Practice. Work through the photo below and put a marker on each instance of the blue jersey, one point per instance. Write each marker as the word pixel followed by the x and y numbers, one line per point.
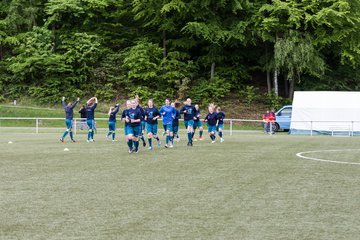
pixel 142 112
pixel 150 113
pixel 90 111
pixel 177 117
pixel 134 114
pixel 69 111
pixel 112 117
pixel 211 119
pixel 197 115
pixel 123 116
pixel 221 117
pixel 168 114
pixel 188 111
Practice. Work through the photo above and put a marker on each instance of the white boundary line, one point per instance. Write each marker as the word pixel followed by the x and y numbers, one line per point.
pixel 300 155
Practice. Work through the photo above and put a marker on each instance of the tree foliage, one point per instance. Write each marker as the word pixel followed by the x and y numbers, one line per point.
pixel 176 48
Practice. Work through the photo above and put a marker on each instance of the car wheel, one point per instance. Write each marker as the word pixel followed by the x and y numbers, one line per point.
pixel 275 127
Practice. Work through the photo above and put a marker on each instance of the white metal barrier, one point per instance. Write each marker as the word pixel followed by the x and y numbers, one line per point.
pixel 77 122
pixel 228 124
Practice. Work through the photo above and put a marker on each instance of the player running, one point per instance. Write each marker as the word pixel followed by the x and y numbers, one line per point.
pixel 176 121
pixel 198 123
pixel 168 113
pixel 142 123
pixel 151 116
pixel 211 121
pixel 189 116
pixel 133 117
pixel 91 104
pixel 126 124
pixel 220 126
pixel 69 115
pixel 112 121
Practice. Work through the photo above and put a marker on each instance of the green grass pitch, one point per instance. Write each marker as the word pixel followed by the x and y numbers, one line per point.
pixel 252 186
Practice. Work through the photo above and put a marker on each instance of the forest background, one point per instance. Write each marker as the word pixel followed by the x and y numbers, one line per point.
pixel 212 50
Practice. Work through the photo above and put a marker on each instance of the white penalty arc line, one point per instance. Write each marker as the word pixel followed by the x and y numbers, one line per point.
pixel 300 155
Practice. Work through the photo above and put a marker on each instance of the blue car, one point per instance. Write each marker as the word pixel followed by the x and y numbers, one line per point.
pixel 283 118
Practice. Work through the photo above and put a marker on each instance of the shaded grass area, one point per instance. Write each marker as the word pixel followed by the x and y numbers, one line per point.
pixel 249 187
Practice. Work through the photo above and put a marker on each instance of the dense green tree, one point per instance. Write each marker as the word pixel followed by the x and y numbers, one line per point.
pixel 327 22
pixel 176 48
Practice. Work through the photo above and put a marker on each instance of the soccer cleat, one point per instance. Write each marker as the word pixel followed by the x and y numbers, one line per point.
pixel 73 140
pixel 166 146
pixel 201 138
pixel 150 148
pixel 130 150
pixel 159 143
pixel 144 143
pixel 61 140
pixel 107 136
pixel 88 140
pixel 212 142
pixel 171 146
pixel 114 140
pixel 188 144
pixel 136 151
pixel 222 140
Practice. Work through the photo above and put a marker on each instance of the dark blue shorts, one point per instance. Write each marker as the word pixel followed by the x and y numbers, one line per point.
pixel 68 123
pixel 189 123
pixel 133 130
pixel 168 127
pixel 112 126
pixel 91 124
pixel 152 128
pixel 211 128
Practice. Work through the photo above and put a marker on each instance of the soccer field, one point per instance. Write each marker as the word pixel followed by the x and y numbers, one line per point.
pixel 252 186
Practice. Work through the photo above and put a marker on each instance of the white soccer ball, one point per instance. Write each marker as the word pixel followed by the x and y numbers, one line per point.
pixel 10 142
pixel 66 149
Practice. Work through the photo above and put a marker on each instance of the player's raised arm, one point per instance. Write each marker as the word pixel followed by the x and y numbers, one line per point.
pixel 63 102
pixel 75 102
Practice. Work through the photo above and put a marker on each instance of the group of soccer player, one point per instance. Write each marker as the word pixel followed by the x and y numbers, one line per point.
pixel 137 120
pixel 91 104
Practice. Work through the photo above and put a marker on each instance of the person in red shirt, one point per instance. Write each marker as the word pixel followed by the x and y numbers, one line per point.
pixel 272 119
pixel 265 119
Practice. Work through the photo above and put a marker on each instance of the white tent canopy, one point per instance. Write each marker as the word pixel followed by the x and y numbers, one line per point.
pixel 325 112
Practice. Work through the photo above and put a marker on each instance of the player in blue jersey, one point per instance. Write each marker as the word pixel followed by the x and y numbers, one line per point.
pixel 69 114
pixel 176 121
pixel 112 121
pixel 123 117
pixel 133 117
pixel 198 123
pixel 151 117
pixel 211 121
pixel 189 116
pixel 168 113
pixel 142 123
pixel 91 104
pixel 220 126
